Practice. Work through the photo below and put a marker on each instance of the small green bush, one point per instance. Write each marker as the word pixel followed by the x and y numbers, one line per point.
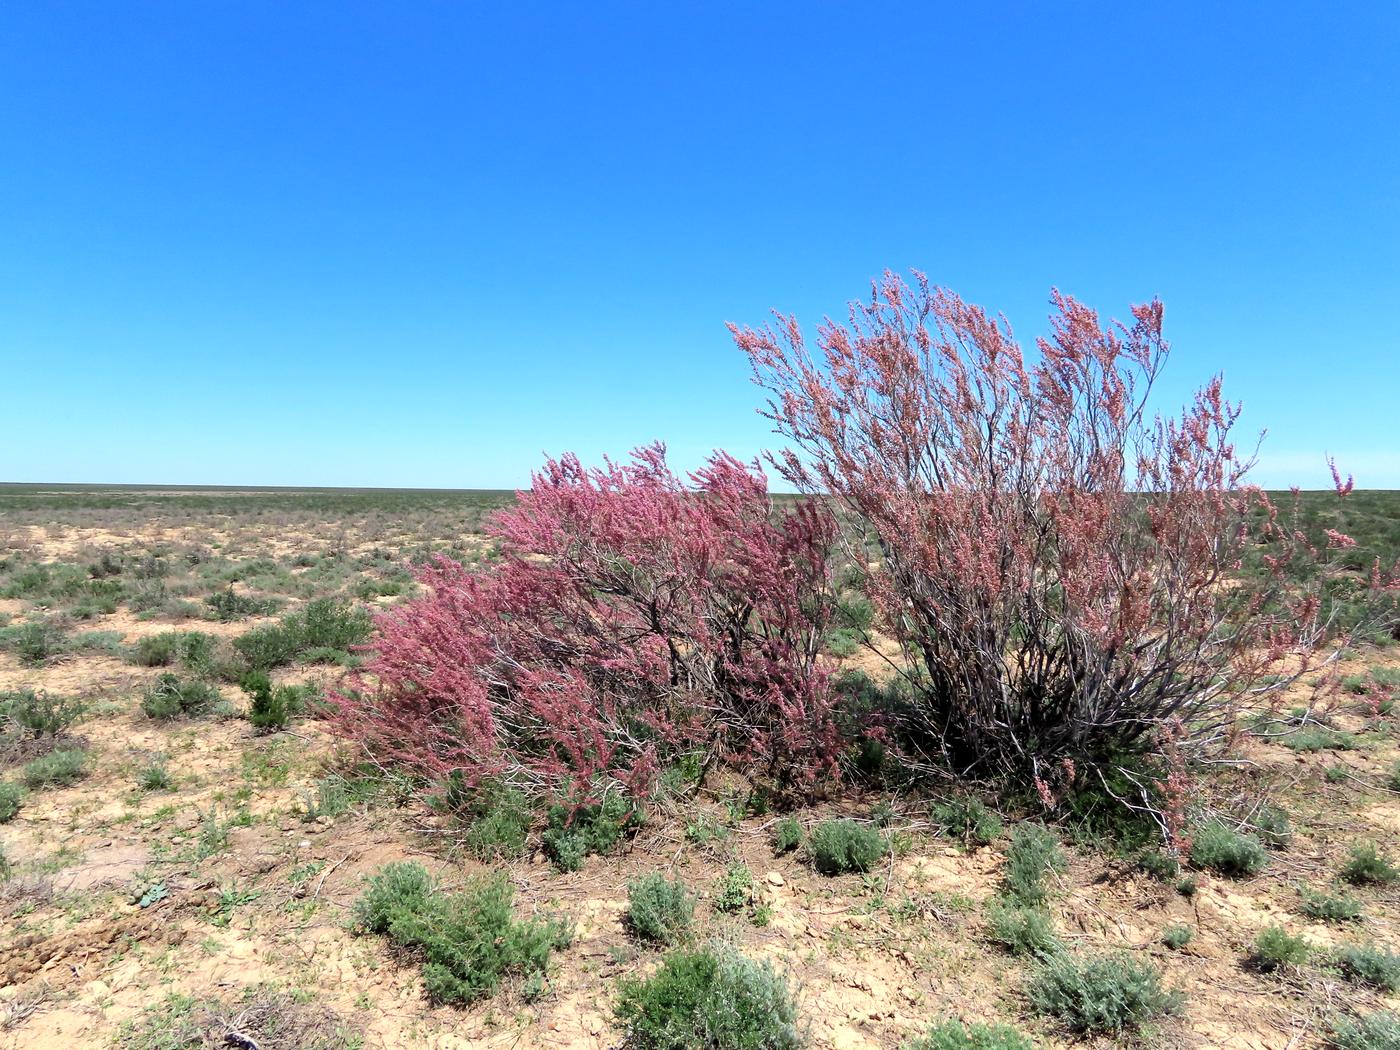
pixel 787 835
pixel 954 1035
pixel 575 833
pixel 1103 993
pixel 197 653
pixel 1336 774
pixel 1177 937
pixel 329 624
pixel 1225 851
pixel 658 909
pixel 1324 906
pixel 38 640
pixel 155 777
pixel 1034 852
pixel 733 889
pixel 499 819
pixel 1021 929
pixel 468 940
pixel 1368 866
pixel 63 766
pixel 11 798
pixel 172 697
pixel 1159 864
pixel 968 819
pixel 1316 738
pixel 334 796
pixel 840 846
pixel 228 605
pixel 1272 826
pixel 1275 948
pixel 710 998
pixel 156 650
pixel 1375 1031
pixel 1367 964
pixel 271 707
pixel 41 713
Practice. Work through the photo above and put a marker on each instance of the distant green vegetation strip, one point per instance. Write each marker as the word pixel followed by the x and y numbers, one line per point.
pixel 245 500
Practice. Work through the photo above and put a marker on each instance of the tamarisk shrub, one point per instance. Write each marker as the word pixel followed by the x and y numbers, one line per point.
pixel 1060 566
pixel 631 617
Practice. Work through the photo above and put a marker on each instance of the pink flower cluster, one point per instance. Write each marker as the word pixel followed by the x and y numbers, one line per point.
pixel 628 617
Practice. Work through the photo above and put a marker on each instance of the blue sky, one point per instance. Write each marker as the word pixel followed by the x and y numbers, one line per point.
pixel 422 244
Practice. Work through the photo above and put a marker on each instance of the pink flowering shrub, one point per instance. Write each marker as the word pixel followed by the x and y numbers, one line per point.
pixel 1060 566
pixel 630 617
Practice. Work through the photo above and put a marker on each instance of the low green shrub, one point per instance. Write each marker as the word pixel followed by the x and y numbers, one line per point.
pixel 228 605
pixel 156 650
pixel 1368 866
pixel 576 832
pixel 840 846
pixel 706 829
pixel 734 889
pixel 1273 828
pixel 659 909
pixel 1369 965
pixel 171 697
pixel 197 653
pixel 1276 948
pixel 787 835
pixel 1102 993
pixel 11 798
pixel 709 998
pixel 1329 908
pixel 60 767
pixel 1160 864
pixel 271 707
pixel 968 819
pixel 335 794
pixel 954 1035
pixel 155 777
pixel 1021 929
pixel 36 641
pixel 1314 738
pixel 324 624
pixel 498 818
pixel 41 713
pixel 1034 853
pixel 1375 1031
pixel 1225 851
pixel 469 940
pixel 1177 936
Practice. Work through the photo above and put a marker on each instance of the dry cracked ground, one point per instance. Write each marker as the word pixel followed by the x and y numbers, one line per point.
pixel 215 901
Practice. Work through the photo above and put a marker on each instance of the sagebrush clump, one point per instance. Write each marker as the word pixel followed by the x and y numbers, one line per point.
pixel 1366 865
pixel 659 909
pixel 173 697
pixel 968 819
pixel 469 940
pixel 1367 964
pixel 57 768
pixel 709 998
pixel 1375 1031
pixel 1221 849
pixel 1101 994
pixel 1276 948
pixel 841 846
pixel 954 1035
